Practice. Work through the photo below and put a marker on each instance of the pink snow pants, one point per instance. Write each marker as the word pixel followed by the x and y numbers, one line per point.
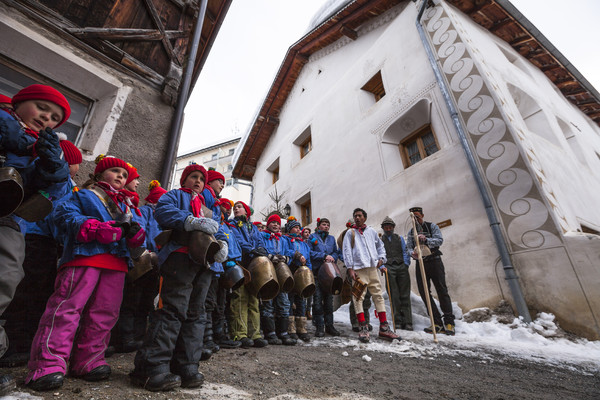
pixel 87 298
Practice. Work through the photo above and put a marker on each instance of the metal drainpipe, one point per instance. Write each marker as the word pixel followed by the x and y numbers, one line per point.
pixel 176 123
pixel 509 270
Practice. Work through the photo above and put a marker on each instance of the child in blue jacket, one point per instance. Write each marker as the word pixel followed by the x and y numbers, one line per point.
pixel 299 254
pixel 172 346
pixel 75 328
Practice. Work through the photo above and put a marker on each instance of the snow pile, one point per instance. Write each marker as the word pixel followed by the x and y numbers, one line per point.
pixel 486 336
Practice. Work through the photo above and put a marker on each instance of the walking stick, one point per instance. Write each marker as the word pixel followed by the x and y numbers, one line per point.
pixel 387 282
pixel 424 279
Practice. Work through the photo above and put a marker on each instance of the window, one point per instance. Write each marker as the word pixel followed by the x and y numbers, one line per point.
pixel 229 182
pixel 416 147
pixel 305 147
pixel 231 151
pixel 274 170
pixel 306 212
pixel 214 157
pixel 304 142
pixel 229 167
pixel 375 86
pixel 16 77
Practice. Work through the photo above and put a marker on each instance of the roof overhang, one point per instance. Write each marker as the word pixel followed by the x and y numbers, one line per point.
pixel 499 17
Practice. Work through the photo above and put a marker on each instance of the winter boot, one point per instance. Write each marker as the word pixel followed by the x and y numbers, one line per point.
pixel 301 329
pixel 292 328
pixel 438 329
pixel 363 334
pixel 209 342
pixel 330 329
pixel 320 331
pixel 449 329
pixel 282 328
pixel 386 333
pixel 224 342
pixel 268 326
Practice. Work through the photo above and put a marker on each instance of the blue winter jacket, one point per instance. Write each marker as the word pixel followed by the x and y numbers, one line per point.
pixel 246 234
pixel 294 245
pixel 274 245
pixel 320 249
pixel 150 226
pixel 71 214
pixel 211 204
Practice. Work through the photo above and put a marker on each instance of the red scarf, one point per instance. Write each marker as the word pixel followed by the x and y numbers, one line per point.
pixel 361 229
pixel 132 200
pixel 116 195
pixel 196 203
pixel 294 236
pixel 274 235
pixel 212 191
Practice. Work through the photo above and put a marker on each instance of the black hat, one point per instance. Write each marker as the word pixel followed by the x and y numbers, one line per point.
pixel 416 209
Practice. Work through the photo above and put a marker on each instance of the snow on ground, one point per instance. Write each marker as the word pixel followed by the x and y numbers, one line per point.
pixel 542 341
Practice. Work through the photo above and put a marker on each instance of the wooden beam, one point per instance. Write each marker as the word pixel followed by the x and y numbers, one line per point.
pixel 350 33
pixel 156 18
pixel 116 33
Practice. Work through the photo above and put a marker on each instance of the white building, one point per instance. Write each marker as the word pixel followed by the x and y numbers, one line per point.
pixel 218 156
pixel 356 117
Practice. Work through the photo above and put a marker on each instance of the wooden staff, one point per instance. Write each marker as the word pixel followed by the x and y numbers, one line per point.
pixel 424 279
pixel 387 282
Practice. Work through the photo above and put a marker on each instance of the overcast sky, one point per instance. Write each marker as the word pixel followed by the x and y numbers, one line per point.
pixel 256 35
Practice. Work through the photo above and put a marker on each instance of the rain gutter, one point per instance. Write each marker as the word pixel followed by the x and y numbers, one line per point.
pixel 509 270
pixel 177 121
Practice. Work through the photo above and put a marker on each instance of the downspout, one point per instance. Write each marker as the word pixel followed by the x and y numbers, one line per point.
pixel 509 270
pixel 182 99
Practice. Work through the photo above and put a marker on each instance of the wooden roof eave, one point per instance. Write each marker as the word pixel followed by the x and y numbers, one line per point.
pixel 348 18
pixel 500 17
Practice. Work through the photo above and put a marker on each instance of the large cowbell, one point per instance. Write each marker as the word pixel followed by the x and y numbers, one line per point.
pixel 285 277
pixel 264 284
pixel 304 282
pixel 203 247
pixel 11 190
pixel 330 278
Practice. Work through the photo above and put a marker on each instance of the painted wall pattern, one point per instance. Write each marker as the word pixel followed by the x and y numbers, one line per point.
pixel 523 211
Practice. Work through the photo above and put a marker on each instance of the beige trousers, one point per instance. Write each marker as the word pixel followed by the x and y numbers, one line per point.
pixel 371 278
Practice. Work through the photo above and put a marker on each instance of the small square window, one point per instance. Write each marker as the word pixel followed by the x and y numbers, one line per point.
pixel 274 170
pixel 305 147
pixel 306 211
pixel 304 142
pixel 375 86
pixel 419 145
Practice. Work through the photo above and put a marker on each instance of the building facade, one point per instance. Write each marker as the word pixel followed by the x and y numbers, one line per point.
pixel 364 123
pixel 218 156
pixel 120 64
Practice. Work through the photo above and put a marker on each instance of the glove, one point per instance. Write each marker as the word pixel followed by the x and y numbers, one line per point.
pixel 206 225
pixel 259 251
pixel 222 253
pixel 103 232
pixel 13 139
pixel 48 149
pixel 136 235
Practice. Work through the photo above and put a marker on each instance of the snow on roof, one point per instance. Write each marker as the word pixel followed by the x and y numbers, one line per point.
pixel 329 8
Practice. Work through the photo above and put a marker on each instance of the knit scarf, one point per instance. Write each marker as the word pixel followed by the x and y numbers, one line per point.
pixel 274 235
pixel 118 196
pixel 132 200
pixel 196 202
pixel 294 236
pixel 361 229
pixel 323 234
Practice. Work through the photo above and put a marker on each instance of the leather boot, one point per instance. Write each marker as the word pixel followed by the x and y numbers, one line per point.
pixel 282 327
pixel 320 331
pixel 292 328
pixel 330 329
pixel 301 329
pixel 7 384
pixel 268 327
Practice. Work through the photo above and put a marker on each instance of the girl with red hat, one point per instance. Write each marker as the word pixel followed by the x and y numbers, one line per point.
pixel 75 328
pixel 172 346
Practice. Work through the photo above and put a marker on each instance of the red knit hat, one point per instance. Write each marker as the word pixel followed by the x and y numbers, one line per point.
pixel 105 162
pixel 248 209
pixel 212 175
pixel 155 192
pixel 43 92
pixel 275 218
pixel 72 153
pixel 5 99
pixel 132 173
pixel 189 169
pixel 228 204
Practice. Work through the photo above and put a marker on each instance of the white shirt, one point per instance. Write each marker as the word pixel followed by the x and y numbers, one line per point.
pixel 367 251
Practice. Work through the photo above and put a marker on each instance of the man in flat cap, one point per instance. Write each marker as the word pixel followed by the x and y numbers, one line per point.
pixel 430 236
pixel 398 261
